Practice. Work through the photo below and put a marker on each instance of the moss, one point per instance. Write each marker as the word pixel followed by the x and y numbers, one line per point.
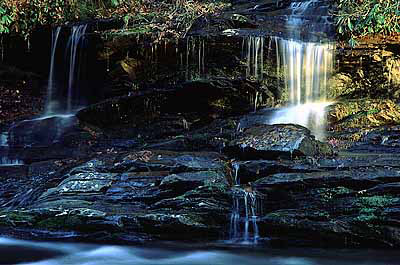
pixel 60 222
pixel 370 208
pixel 222 104
pixel 327 194
pixel 16 218
pixel 359 114
pixel 376 201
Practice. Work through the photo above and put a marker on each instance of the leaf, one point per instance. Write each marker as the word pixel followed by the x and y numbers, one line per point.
pixel 349 24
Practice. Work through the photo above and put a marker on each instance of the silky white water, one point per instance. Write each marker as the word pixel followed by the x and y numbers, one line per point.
pixel 59 101
pixel 306 68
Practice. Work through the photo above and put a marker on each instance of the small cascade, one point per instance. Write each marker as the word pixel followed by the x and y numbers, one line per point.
pixel 245 213
pixel 5 158
pixel 299 8
pixel 50 84
pixel 303 67
pixel 306 68
pixel 76 39
pixel 236 167
pixel 195 56
pixel 67 64
pixel 255 57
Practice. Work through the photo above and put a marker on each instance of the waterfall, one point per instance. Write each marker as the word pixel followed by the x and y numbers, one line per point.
pixel 243 222
pixel 5 159
pixel 76 39
pixel 236 167
pixel 195 55
pixel 303 64
pixel 50 83
pixel 63 91
pixel 306 68
pixel 255 57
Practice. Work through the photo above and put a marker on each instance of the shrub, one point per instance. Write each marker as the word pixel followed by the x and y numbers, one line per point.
pixel 357 18
pixel 23 16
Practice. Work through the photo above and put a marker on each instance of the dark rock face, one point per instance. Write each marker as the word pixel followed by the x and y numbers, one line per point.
pixel 158 193
pixel 47 138
pixel 355 207
pixel 202 100
pixel 41 131
pixel 274 141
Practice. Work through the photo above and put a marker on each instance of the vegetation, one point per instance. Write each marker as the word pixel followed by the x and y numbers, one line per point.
pixel 357 18
pixel 21 17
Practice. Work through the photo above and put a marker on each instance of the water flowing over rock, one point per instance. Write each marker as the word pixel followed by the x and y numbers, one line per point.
pixel 245 213
pixel 6 159
pixel 68 74
pixel 306 70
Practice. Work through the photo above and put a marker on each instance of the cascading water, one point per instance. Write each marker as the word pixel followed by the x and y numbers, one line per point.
pixel 76 39
pixel 306 68
pixel 5 158
pixel 50 84
pixel 63 92
pixel 66 76
pixel 245 211
pixel 255 57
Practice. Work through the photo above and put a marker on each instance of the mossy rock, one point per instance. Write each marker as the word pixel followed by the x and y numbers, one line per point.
pixel 17 218
pixel 61 222
pixel 340 85
pixel 357 114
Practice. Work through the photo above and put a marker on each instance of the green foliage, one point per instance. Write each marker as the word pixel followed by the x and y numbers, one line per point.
pixel 358 18
pixel 6 20
pixel 167 17
pixel 21 17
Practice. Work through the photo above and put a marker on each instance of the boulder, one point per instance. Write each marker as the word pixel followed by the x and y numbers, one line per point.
pixel 276 141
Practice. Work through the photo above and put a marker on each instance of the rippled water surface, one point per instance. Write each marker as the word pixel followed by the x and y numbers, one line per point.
pixel 50 253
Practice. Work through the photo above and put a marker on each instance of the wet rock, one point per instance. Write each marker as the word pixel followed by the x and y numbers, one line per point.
pixel 222 96
pixel 351 207
pixel 274 141
pixel 356 178
pixel 48 138
pixel 384 139
pixel 154 192
pixel 41 131
pixel 250 171
pixel 252 17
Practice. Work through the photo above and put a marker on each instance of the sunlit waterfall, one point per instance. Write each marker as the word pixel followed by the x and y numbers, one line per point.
pixel 306 68
pixel 63 91
pixel 255 57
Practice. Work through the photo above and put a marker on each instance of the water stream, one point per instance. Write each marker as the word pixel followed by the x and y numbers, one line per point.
pixel 44 253
pixel 65 73
pixel 245 213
